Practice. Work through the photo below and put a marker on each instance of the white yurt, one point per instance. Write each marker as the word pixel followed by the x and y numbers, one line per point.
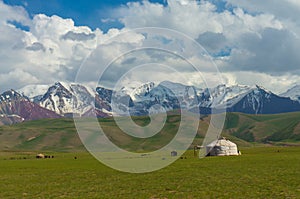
pixel 40 156
pixel 222 147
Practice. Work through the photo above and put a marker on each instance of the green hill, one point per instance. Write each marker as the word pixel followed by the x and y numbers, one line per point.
pixel 264 128
pixel 61 135
pixel 46 134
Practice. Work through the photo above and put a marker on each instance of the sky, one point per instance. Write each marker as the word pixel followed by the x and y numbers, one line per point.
pixel 250 42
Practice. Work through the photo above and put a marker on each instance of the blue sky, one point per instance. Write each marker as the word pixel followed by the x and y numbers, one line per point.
pixel 83 12
pixel 252 42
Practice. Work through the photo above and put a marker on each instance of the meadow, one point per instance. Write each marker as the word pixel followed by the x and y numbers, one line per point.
pixel 260 172
pixel 267 168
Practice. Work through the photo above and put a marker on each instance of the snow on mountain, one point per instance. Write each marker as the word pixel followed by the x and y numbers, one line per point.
pixel 9 96
pixel 179 89
pixel 136 98
pixel 154 100
pixel 223 96
pixel 293 93
pixel 262 101
pixel 167 94
pixel 113 102
pixel 64 98
pixel 16 108
pixel 67 99
pixel 162 95
pixel 237 98
pixel 246 99
pixel 256 99
pixel 32 91
pixel 136 90
pixel 83 98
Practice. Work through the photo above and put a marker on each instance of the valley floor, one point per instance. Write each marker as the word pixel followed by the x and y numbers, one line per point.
pixel 260 172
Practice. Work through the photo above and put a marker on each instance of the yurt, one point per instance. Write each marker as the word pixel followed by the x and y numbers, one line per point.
pixel 40 156
pixel 222 147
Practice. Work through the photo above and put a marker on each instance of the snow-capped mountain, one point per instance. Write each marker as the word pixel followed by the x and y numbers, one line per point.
pixel 34 92
pixel 246 99
pixel 66 99
pixel 260 101
pixel 14 107
pixel 167 95
pixel 222 95
pixel 136 90
pixel 188 96
pixel 159 95
pixel 293 93
pixel 112 102
pixel 10 96
pixel 180 89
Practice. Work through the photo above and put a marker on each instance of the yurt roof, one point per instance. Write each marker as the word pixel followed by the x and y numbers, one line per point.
pixel 221 142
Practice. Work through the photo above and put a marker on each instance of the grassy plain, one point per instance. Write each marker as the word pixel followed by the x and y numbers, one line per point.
pixel 266 168
pixel 261 172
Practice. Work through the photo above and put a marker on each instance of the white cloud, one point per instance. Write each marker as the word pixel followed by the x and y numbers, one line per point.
pixel 52 50
pixel 195 18
pixel 188 17
pixel 17 77
pixel 286 11
pixel 257 42
pixel 13 13
pixel 277 84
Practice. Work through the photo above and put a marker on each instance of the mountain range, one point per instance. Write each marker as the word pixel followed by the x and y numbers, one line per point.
pixel 71 99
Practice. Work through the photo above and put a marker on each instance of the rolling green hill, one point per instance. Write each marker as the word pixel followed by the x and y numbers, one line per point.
pixel 264 128
pixel 61 135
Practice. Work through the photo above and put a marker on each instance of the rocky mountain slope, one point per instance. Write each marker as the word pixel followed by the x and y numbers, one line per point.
pixel 15 108
pixel 68 99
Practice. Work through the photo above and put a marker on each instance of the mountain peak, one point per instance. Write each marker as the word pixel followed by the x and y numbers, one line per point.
pixel 11 95
pixel 293 93
pixel 33 90
pixel 62 84
pixel 261 88
pixel 137 97
pixel 137 90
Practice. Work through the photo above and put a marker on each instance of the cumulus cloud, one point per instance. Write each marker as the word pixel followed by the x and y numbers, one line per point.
pixel 13 13
pixel 259 38
pixel 15 77
pixel 250 42
pixel 275 83
pixel 273 51
pixel 39 55
pixel 186 17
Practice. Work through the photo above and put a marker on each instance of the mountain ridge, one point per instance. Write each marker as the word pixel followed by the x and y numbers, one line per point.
pixel 67 99
pixel 293 93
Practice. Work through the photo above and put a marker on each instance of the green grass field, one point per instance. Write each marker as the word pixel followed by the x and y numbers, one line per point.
pixel 266 168
pixel 261 172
